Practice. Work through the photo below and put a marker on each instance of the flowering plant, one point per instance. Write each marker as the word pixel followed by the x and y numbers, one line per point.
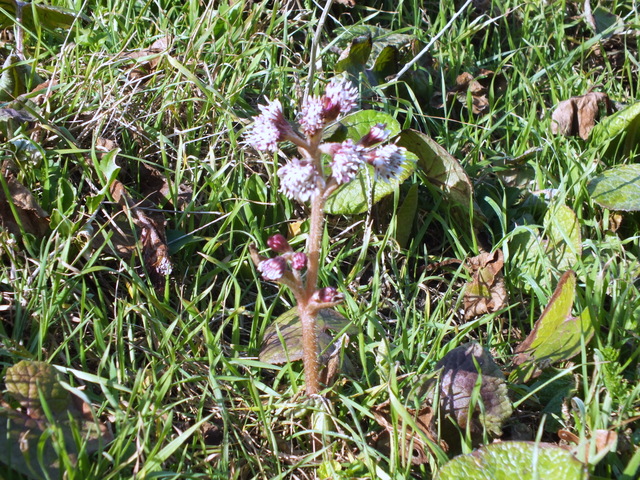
pixel 320 170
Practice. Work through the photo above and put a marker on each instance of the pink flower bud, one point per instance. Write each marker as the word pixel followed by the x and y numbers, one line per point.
pixel 299 261
pixel 278 243
pixel 272 268
pixel 327 295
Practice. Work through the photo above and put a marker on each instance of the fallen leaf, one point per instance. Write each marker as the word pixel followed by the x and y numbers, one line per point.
pixel 486 292
pixel 461 369
pixel 478 87
pixel 26 442
pixel 147 60
pixel 155 251
pixel 413 446
pixel 578 115
pixel 556 335
pixel 26 216
pixel 155 188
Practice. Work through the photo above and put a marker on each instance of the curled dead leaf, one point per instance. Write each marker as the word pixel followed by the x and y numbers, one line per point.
pixel 478 86
pixel 578 115
pixel 22 214
pixel 486 292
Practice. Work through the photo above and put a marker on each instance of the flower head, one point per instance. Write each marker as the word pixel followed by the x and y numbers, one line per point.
pixel 272 268
pixel 347 160
pixel 299 179
pixel 378 133
pixel 299 261
pixel 312 119
pixel 340 98
pixel 269 128
pixel 387 161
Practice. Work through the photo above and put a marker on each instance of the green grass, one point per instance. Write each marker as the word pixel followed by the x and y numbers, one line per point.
pixel 158 362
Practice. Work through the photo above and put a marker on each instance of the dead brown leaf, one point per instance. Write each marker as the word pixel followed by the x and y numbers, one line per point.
pixel 27 216
pixel 477 86
pixel 413 445
pixel 145 65
pixel 155 187
pixel 486 292
pixel 155 251
pixel 578 115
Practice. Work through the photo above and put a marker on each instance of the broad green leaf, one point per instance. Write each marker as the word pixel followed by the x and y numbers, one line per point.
pixel 16 77
pixel 287 328
pixel 27 380
pixel 47 16
pixel 619 134
pixel 355 60
pixel 26 433
pixel 462 368
pixel 359 123
pixel 617 188
pixel 353 198
pixel 515 460
pixel 405 216
pixel 565 242
pixel 556 336
pixel 440 168
pixel 605 20
pixel 386 63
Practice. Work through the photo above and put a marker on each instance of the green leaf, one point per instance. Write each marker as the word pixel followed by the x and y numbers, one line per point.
pixel 27 444
pixel 359 123
pixel 556 336
pixel 515 460
pixel 440 168
pixel 617 188
pixel 405 216
pixel 355 59
pixel 353 198
pixel 47 16
pixel 287 328
pixel 27 380
pixel 462 368
pixel 15 78
pixel 565 242
pixel 386 63
pixel 618 135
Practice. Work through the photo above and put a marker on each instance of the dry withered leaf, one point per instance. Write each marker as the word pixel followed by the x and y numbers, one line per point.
pixel 348 3
pixel 486 292
pixel 413 445
pixel 146 65
pixel 605 440
pixel 29 216
pixel 156 188
pixel 477 86
pixel 155 251
pixel 578 115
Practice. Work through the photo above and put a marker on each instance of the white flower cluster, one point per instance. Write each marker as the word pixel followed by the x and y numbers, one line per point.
pixel 300 179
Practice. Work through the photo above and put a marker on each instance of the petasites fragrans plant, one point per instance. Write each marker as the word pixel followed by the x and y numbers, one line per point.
pixel 320 170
